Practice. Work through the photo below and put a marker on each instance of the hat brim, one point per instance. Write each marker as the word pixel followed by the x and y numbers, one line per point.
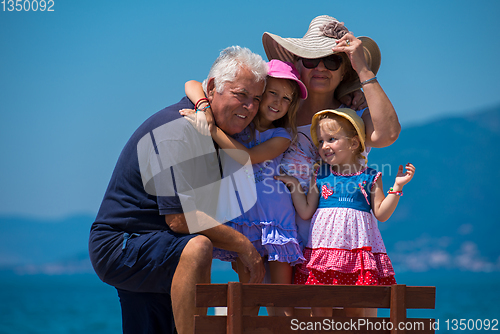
pixel 373 59
pixel 348 114
pixel 288 49
pixel 302 87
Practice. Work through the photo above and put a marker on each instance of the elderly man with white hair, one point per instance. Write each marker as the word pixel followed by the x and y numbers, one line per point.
pixel 153 236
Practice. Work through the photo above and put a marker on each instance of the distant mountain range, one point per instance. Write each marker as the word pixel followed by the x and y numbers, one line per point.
pixel 445 220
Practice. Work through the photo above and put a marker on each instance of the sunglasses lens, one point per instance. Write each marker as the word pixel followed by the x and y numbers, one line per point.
pixel 310 63
pixel 331 63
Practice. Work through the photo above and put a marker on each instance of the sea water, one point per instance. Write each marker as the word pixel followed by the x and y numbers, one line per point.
pixel 82 304
pixel 56 304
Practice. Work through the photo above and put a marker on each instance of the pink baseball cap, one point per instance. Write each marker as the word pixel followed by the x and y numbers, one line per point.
pixel 285 70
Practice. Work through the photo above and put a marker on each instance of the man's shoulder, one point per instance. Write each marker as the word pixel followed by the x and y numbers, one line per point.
pixel 168 118
pixel 169 113
pixel 164 116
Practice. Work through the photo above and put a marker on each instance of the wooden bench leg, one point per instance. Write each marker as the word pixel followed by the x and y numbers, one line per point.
pixel 398 307
pixel 234 308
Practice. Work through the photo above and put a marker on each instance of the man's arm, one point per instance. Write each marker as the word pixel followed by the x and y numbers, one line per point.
pixel 223 237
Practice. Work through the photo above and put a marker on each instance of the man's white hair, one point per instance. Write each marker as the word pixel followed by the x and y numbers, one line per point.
pixel 230 61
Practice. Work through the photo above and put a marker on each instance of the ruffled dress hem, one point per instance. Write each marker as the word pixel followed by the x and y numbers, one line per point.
pixel 367 277
pixel 342 266
pixel 269 238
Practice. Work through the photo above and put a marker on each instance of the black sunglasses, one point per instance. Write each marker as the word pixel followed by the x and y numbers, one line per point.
pixel 331 63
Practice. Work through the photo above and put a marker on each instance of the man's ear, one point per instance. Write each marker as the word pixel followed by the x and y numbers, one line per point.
pixel 210 89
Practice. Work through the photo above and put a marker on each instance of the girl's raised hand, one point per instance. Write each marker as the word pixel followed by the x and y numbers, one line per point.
pixel 403 177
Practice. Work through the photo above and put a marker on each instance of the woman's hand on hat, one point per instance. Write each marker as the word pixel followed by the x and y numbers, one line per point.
pixel 353 48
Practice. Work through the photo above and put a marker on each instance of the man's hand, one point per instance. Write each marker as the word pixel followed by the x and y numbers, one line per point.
pixel 224 237
pixel 177 223
pixel 253 263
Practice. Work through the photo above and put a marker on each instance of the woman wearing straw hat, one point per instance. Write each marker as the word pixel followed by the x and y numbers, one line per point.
pixel 333 65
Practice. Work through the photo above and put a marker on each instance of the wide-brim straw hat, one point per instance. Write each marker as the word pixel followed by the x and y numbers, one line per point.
pixel 315 44
pixel 348 114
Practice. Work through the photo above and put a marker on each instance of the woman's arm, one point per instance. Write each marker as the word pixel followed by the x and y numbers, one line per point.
pixel 383 207
pixel 305 205
pixel 381 122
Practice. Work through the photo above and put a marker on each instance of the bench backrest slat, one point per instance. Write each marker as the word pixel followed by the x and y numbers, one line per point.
pixel 235 296
pixel 211 295
pixel 215 295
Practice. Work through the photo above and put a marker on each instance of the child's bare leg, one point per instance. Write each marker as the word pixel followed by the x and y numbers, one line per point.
pixel 338 312
pixel 281 273
pixel 361 312
pixel 326 312
pixel 244 277
pixel 302 312
pixel 321 312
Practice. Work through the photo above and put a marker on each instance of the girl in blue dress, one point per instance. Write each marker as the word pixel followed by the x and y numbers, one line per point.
pixel 270 223
pixel 345 200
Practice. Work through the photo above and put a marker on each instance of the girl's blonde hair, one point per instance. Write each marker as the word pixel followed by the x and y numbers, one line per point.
pixel 345 125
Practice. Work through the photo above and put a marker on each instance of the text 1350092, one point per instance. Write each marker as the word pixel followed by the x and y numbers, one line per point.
pixel 27 5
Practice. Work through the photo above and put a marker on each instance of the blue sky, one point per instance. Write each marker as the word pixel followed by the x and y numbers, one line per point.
pixel 76 82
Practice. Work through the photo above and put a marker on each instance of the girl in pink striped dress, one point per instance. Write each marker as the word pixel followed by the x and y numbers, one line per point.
pixel 345 201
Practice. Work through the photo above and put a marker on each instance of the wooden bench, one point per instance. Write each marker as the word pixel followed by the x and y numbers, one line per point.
pixel 398 298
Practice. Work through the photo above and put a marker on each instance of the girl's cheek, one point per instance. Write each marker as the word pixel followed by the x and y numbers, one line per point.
pixel 287 106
